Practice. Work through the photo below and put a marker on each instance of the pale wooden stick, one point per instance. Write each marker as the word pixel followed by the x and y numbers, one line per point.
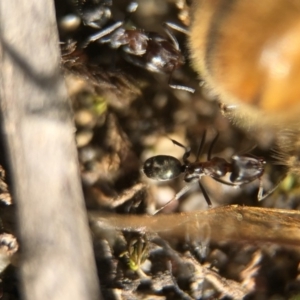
pixel 228 223
pixel 57 258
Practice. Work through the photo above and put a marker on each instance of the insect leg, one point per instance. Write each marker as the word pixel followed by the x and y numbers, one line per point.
pixel 171 35
pixel 179 87
pixel 176 27
pixel 186 153
pixel 260 190
pixel 101 34
pixel 261 197
pixel 205 195
pixel 184 190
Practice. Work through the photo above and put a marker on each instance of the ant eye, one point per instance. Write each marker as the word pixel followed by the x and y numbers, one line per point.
pixel 162 167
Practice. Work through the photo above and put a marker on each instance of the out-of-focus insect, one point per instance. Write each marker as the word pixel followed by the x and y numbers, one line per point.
pixel 148 50
pixel 243 169
pixel 248 53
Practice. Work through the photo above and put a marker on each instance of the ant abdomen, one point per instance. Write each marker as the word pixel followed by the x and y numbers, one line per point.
pixel 162 167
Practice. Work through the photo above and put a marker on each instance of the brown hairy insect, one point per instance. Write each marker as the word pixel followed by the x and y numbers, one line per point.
pixel 248 53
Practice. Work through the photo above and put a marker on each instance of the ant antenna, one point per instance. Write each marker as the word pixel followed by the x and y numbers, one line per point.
pixel 200 149
pixel 206 197
pixel 186 153
pixel 212 146
pixel 184 190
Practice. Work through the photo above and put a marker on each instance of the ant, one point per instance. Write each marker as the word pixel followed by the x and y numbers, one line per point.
pixel 244 169
pixel 147 50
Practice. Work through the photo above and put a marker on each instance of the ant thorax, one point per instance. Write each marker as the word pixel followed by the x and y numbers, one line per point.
pixel 217 167
pixel 193 171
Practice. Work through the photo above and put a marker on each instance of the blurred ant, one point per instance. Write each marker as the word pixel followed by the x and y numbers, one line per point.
pixel 243 169
pixel 147 50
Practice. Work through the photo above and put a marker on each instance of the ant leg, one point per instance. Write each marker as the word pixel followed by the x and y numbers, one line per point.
pixel 205 195
pixel 200 149
pixel 211 146
pixel 260 190
pixel 176 27
pixel 180 87
pixel 261 197
pixel 101 34
pixel 184 190
pixel 186 153
pixel 171 36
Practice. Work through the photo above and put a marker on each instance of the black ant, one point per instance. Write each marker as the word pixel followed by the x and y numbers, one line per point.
pixel 243 169
pixel 147 50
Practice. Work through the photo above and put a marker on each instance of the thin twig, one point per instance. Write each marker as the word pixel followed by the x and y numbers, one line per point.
pixel 229 223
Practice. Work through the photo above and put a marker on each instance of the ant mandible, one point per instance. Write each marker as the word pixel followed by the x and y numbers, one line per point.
pixel 243 169
pixel 147 50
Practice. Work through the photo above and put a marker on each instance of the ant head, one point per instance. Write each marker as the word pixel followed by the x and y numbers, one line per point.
pixel 246 169
pixel 162 167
